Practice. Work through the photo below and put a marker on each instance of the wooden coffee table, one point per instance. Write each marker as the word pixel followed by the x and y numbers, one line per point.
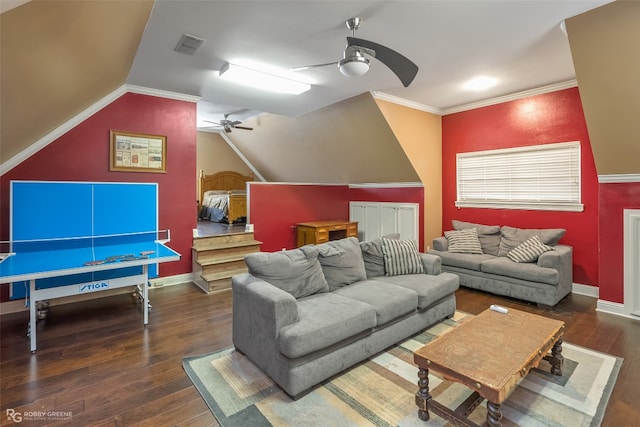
pixel 489 353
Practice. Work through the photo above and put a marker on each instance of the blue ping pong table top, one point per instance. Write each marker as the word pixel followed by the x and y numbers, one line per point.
pixel 57 258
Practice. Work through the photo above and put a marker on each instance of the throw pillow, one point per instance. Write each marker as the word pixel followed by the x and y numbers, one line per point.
pixel 463 241
pixel 341 262
pixel 296 271
pixel 489 235
pixel 512 237
pixel 374 257
pixel 401 257
pixel 529 250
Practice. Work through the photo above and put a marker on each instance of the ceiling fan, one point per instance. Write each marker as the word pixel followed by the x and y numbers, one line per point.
pixel 228 125
pixel 356 64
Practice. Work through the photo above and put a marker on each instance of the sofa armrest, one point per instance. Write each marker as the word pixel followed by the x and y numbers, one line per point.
pixel 260 310
pixel 432 264
pixel 440 244
pixel 560 259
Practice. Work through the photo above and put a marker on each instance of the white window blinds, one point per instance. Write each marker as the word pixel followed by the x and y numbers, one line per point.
pixel 541 177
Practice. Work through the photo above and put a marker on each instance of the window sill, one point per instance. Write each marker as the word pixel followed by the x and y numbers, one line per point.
pixel 564 207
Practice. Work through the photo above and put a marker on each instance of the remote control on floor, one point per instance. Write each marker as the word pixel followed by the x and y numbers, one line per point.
pixel 499 309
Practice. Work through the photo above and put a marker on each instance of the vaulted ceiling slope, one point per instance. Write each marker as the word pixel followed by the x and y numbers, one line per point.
pixel 348 142
pixel 606 53
pixel 60 57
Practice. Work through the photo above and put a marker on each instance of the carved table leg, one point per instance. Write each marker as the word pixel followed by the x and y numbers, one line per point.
pixel 557 359
pixel 422 395
pixel 494 415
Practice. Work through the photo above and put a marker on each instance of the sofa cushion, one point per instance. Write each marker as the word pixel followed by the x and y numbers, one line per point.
pixel 389 302
pixel 468 261
pixel 512 237
pixel 325 319
pixel 373 256
pixel 488 235
pixel 430 289
pixel 463 241
pixel 529 250
pixel 296 271
pixel 341 262
pixel 503 266
pixel 401 257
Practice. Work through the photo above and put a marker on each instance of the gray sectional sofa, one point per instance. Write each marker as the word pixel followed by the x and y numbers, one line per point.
pixel 545 277
pixel 306 314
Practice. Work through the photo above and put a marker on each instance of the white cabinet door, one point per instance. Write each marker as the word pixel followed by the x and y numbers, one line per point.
pixel 376 219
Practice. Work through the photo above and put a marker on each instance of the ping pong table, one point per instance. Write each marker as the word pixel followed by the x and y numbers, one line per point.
pixel 57 268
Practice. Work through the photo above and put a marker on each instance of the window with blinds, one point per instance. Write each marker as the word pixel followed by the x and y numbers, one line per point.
pixel 541 177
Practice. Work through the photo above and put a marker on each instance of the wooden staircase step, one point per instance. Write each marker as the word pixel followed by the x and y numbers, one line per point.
pixel 223 274
pixel 215 245
pixel 216 259
pixel 202 256
pixel 209 241
pixel 219 267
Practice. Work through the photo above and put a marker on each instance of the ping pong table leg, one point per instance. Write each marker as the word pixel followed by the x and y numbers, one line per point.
pixel 145 294
pixel 32 314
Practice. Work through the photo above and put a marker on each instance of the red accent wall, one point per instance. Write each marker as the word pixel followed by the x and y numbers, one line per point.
pixel 274 209
pixel 542 119
pixel 614 198
pixel 82 154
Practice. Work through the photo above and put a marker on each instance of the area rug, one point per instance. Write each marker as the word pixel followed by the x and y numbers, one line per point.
pixel 380 391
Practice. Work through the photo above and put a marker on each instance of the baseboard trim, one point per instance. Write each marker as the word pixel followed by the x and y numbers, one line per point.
pixel 587 290
pixel 17 306
pixel 178 279
pixel 614 308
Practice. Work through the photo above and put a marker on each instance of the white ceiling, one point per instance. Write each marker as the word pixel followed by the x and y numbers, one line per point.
pixel 519 42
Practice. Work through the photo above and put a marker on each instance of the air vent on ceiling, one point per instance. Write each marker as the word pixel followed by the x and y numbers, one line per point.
pixel 189 44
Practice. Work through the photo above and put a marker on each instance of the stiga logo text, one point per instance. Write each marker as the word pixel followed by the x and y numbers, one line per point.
pixel 91 287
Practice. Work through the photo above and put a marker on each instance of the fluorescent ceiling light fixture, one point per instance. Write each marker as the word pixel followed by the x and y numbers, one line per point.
pixel 480 83
pixel 261 80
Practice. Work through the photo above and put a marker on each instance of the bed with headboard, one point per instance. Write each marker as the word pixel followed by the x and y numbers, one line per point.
pixel 223 196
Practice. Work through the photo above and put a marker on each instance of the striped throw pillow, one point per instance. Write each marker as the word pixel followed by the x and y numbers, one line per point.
pixel 463 241
pixel 401 257
pixel 529 250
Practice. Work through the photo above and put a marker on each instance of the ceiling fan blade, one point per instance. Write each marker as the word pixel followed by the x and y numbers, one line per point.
pixel 304 67
pixel 402 66
pixel 235 122
pixel 243 127
pixel 215 123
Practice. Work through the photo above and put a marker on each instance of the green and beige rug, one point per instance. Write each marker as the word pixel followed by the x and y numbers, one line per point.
pixel 380 391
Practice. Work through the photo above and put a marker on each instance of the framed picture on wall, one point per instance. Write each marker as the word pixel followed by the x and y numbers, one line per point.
pixel 137 152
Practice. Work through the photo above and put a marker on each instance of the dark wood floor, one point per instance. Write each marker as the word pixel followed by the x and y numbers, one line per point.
pixel 210 228
pixel 97 361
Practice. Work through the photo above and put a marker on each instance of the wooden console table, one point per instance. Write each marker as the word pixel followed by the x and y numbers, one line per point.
pixel 323 231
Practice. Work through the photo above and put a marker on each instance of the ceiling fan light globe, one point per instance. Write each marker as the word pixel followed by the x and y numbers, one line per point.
pixel 354 66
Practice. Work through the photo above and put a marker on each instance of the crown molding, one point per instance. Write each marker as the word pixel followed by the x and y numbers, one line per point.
pixel 511 97
pixel 84 115
pixel 61 130
pixel 387 185
pixel 242 156
pixel 618 178
pixel 405 102
pixel 472 106
pixel 162 93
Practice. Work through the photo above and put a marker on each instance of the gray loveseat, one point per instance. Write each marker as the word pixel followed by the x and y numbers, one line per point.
pixel 545 277
pixel 306 314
